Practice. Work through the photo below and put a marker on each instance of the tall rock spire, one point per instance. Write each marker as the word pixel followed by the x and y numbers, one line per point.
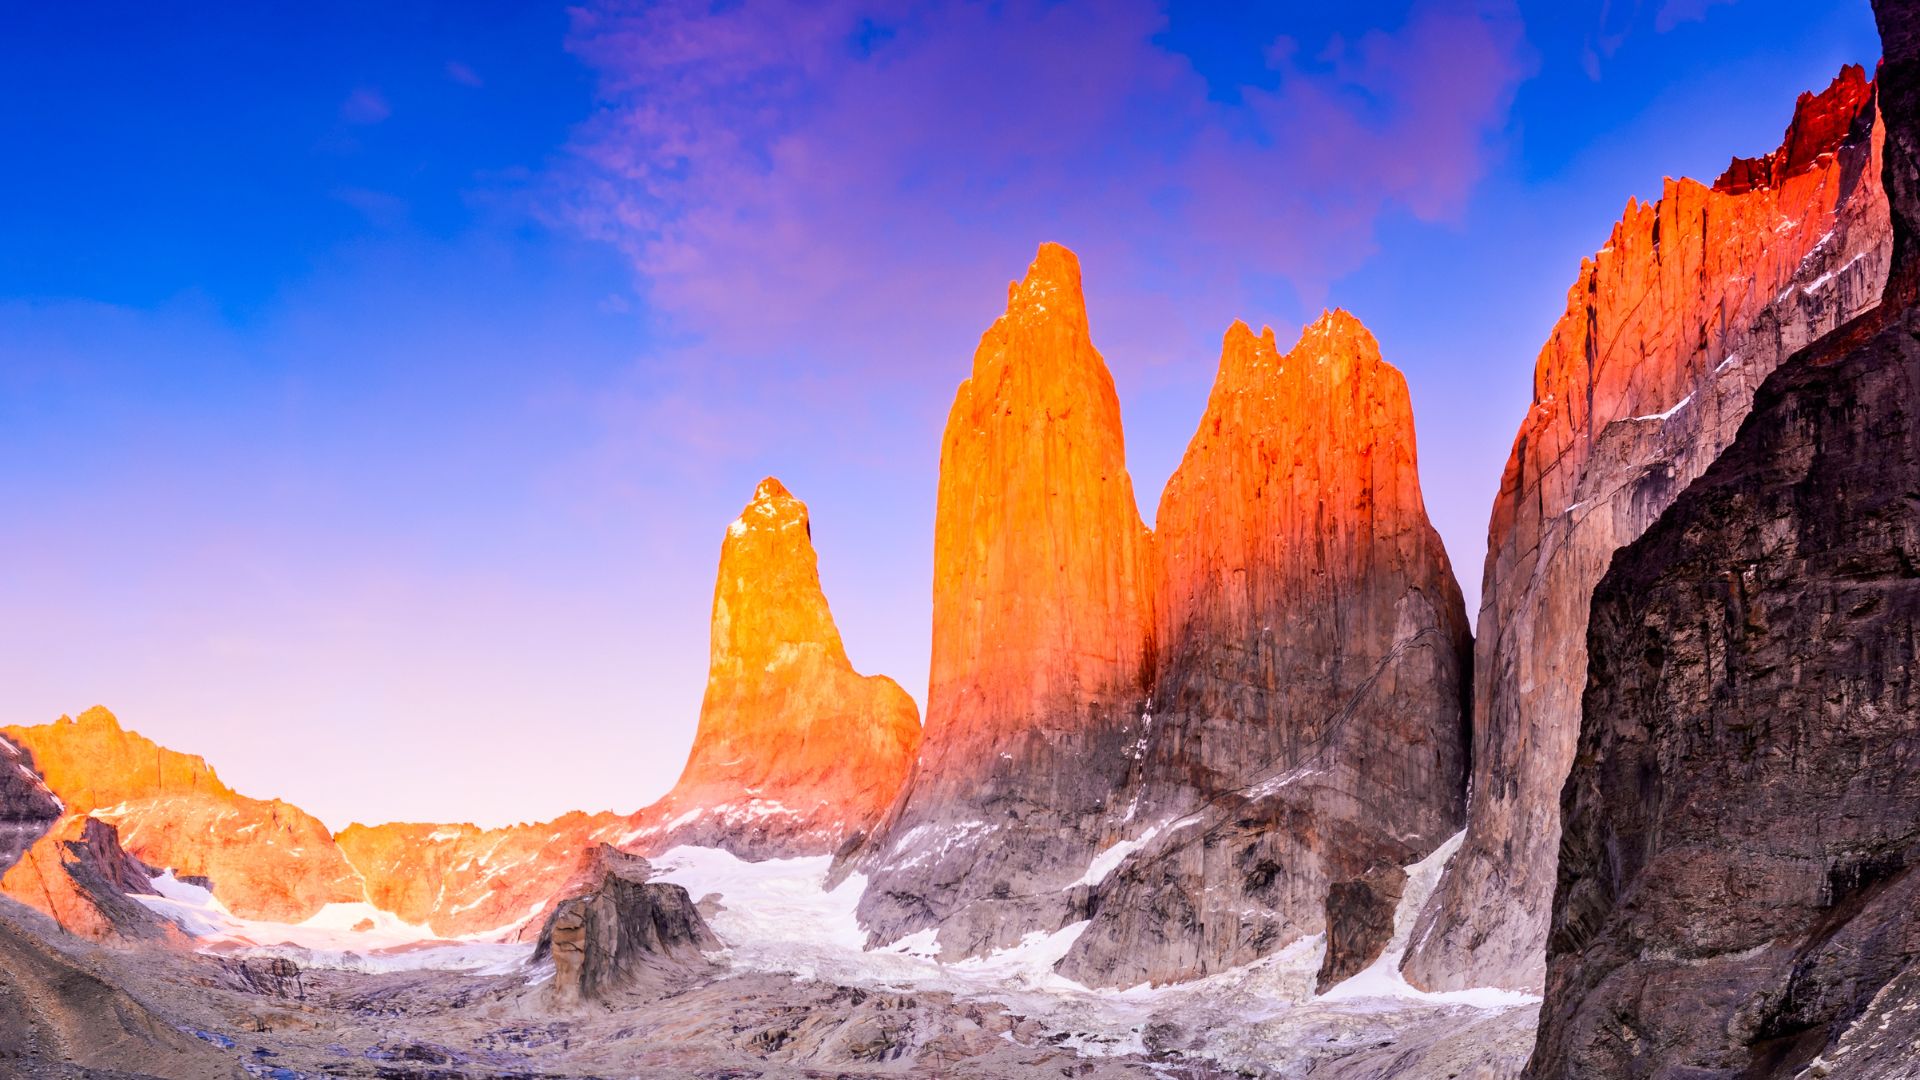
pixel 1668 331
pixel 1042 626
pixel 1307 727
pixel 794 747
pixel 796 753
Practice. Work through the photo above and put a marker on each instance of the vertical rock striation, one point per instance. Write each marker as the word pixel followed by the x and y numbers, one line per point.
pixel 1042 628
pixel 1739 874
pixel 1307 733
pixel 1644 380
pixel 267 859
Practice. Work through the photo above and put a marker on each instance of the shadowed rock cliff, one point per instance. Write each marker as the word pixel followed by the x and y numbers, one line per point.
pixel 614 928
pixel 1668 330
pixel 27 806
pixel 80 875
pixel 1739 875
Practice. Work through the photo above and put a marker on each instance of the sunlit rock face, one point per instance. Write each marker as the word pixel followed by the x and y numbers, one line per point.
pixel 1307 727
pixel 1042 623
pixel 267 859
pixel 1668 331
pixel 80 875
pixel 27 806
pixel 796 754
pixel 796 751
pixel 462 879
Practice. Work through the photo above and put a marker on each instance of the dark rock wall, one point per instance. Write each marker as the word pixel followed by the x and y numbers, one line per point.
pixel 1739 877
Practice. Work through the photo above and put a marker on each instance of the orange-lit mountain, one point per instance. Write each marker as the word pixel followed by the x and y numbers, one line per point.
pixel 1042 624
pixel 795 753
pixel 1308 719
pixel 266 859
pixel 1668 331
pixel 462 879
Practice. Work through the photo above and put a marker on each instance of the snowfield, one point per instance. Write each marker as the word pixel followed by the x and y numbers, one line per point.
pixel 347 937
pixel 780 916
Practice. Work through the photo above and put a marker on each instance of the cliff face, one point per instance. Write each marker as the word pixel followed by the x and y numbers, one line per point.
pixel 1739 875
pixel 796 753
pixel 266 859
pixel 28 808
pixel 1042 622
pixel 1643 382
pixel 1307 727
pixel 80 875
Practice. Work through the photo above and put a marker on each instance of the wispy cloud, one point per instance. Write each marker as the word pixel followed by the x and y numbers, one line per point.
pixel 365 105
pixel 843 172
pixel 463 74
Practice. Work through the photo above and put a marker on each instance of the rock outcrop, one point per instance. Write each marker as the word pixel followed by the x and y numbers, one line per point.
pixel 796 751
pixel 1739 874
pixel 1042 629
pixel 80 876
pixel 1645 379
pixel 28 808
pixel 796 754
pixel 1307 733
pixel 267 859
pixel 614 928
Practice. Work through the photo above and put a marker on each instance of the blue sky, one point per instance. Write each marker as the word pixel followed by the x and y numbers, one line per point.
pixel 376 380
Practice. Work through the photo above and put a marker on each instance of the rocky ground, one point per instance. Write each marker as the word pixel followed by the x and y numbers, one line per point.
pixel 759 1008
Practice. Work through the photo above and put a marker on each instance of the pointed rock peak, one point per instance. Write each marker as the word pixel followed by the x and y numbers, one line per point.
pixel 1050 289
pixel 1338 345
pixel 1243 355
pixel 771 488
pixel 773 507
pixel 1821 123
pixel 1241 336
pixel 1339 325
pixel 98 716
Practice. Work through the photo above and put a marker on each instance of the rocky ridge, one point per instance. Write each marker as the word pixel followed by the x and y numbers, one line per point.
pixel 267 859
pixel 1645 379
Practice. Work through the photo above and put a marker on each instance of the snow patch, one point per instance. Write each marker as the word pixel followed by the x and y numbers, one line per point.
pixel 1382 978
pixel 1676 407
pixel 1110 858
pixel 778 915
pixel 349 937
